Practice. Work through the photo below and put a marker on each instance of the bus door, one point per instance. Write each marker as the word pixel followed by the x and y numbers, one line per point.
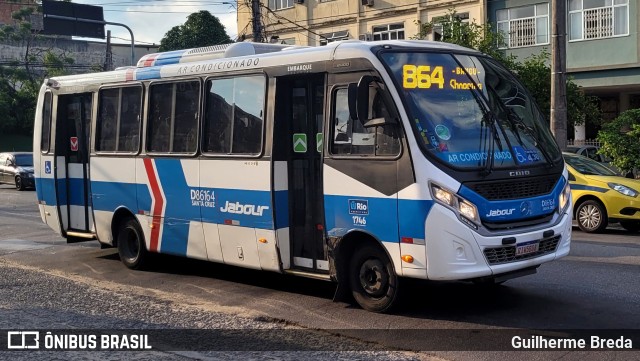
pixel 298 139
pixel 73 123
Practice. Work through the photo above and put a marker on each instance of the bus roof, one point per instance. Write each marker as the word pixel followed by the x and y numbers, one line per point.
pixel 237 56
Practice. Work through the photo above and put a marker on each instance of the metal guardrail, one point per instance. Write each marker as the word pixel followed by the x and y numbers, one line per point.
pixel 580 142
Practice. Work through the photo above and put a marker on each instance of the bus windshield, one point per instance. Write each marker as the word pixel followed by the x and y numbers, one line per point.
pixel 464 108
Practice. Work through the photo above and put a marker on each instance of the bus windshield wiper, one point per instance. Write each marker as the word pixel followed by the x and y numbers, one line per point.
pixel 489 119
pixel 517 122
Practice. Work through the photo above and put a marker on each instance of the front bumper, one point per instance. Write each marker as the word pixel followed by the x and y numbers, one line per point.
pixel 455 252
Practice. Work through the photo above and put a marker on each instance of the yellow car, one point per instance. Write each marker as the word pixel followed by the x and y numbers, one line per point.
pixel 600 196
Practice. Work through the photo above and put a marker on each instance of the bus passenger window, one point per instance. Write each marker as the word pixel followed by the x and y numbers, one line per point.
pixel 107 120
pixel 129 134
pixel 46 123
pixel 159 123
pixel 234 115
pixel 185 127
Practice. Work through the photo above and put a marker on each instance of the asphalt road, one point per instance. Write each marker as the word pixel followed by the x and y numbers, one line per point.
pixel 47 283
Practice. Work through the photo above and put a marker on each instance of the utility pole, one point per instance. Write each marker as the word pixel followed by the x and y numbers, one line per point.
pixel 108 61
pixel 256 21
pixel 559 72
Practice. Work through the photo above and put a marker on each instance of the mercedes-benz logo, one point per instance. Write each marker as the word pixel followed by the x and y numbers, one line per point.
pixel 525 208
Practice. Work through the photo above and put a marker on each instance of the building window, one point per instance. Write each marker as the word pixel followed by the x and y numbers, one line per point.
pixel 388 32
pixel 524 26
pixel 438 32
pixel 596 19
pixel 280 4
pixel 335 36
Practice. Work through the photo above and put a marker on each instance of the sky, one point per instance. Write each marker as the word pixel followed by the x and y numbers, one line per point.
pixel 151 19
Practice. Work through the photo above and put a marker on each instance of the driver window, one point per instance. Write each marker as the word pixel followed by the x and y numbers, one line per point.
pixel 350 137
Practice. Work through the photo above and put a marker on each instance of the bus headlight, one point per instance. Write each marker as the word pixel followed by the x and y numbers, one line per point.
pixel 565 196
pixel 466 211
pixel 442 195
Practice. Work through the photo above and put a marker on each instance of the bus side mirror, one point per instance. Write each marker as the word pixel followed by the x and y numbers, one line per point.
pixel 353 100
pixel 360 102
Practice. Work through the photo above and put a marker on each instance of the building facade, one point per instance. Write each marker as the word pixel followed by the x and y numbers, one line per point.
pixel 603 54
pixel 318 22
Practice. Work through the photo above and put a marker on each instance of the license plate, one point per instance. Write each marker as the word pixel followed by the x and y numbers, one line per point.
pixel 527 248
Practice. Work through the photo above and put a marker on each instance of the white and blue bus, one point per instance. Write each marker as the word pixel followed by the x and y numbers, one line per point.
pixel 356 162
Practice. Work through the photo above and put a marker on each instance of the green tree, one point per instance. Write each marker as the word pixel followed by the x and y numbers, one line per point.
pixel 535 74
pixel 534 71
pixel 620 140
pixel 200 29
pixel 20 78
pixel 467 34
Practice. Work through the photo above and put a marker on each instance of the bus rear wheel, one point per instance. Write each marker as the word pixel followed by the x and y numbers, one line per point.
pixel 373 282
pixel 131 246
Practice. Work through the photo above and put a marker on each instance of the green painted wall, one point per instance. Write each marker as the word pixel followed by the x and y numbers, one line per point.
pixel 607 78
pixel 609 52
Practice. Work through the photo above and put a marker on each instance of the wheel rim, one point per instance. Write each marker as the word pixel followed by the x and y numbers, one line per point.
pixel 590 216
pixel 373 277
pixel 18 182
pixel 132 247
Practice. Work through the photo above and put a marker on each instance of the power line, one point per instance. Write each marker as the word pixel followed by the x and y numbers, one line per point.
pixel 162 12
pixel 202 2
pixel 294 23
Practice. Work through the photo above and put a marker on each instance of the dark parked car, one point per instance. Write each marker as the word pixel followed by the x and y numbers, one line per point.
pixel 17 168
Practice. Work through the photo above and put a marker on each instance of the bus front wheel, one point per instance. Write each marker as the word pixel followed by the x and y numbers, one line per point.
pixel 373 282
pixel 131 247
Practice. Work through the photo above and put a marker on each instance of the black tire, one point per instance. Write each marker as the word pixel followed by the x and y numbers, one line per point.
pixel 372 279
pixel 591 216
pixel 631 226
pixel 131 246
pixel 19 183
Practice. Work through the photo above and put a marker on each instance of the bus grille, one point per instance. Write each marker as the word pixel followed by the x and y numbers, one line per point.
pixel 514 188
pixel 499 255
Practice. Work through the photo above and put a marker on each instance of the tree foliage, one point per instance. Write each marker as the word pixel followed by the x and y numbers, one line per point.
pixel 467 34
pixel 534 71
pixel 620 140
pixel 20 78
pixel 200 29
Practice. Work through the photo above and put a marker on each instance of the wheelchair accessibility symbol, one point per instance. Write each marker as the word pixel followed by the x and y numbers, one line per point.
pixel 47 167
